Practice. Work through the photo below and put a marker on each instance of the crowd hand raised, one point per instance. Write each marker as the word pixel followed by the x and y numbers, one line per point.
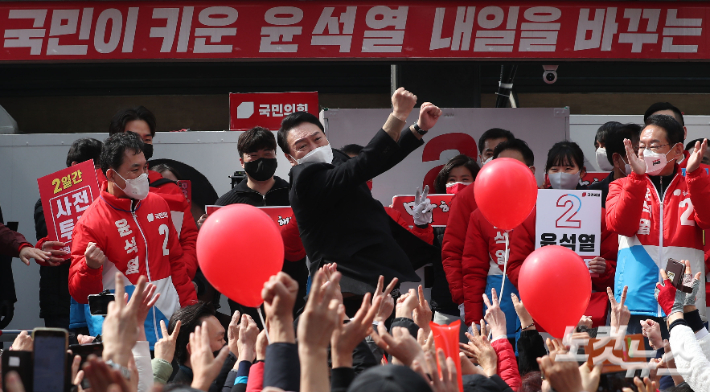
pixel 426 341
pixel 638 165
pixel 494 315
pixel 261 344
pixel 146 300
pixel 620 314
pixel 85 339
pixel 422 313
pixel 120 327
pixel 57 255
pixel 200 221
pixel 205 366
pixel 523 314
pixel 406 303
pixel 597 265
pixel 483 351
pixel 670 299
pixel 233 333
pixel 279 295
pixel 590 375
pixel 248 332
pixel 652 331
pixel 422 211
pixel 94 256
pixel 320 316
pixel 400 344
pixel 586 322
pixel 643 386
pixel 562 376
pixel 105 379
pixel 402 103
pixel 23 342
pixel 429 114
pixel 694 283
pixel 13 383
pixel 447 381
pixel 165 346
pixel 330 270
pixel 387 303
pixel 346 337
pixel 697 155
pixel 29 252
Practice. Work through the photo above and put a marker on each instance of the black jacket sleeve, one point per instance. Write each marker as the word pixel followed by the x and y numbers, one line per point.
pixel 340 379
pixel 282 368
pixel 408 323
pixel 218 383
pixel 530 347
pixel 322 181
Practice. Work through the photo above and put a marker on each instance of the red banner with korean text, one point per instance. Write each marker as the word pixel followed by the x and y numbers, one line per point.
pixel 281 215
pixel 266 110
pixel 440 214
pixel 186 188
pixel 65 195
pixel 132 30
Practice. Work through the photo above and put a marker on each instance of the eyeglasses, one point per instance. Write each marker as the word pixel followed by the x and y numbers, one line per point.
pixel 653 148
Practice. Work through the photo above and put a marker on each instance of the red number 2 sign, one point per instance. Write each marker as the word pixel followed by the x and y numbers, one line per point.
pixel 572 204
pixel 461 142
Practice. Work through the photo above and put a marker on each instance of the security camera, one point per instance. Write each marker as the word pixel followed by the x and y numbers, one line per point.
pixel 550 74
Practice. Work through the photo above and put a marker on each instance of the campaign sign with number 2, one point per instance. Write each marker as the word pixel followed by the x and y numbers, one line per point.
pixel 65 195
pixel 569 218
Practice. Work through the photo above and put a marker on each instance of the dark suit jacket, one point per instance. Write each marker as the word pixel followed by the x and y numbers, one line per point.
pixel 339 220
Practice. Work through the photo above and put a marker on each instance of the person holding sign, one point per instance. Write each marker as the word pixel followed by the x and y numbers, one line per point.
pixel 658 214
pixel 338 219
pixel 128 230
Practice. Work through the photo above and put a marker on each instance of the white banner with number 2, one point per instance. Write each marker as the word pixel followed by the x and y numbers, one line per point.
pixel 569 218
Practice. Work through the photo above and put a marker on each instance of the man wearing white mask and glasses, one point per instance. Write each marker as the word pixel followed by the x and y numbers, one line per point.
pixel 338 219
pixel 658 214
pixel 615 155
pixel 128 229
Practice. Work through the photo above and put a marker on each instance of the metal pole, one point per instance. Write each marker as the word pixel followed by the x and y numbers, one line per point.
pixel 394 78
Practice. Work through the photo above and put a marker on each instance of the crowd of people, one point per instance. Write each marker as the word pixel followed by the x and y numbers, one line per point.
pixel 335 317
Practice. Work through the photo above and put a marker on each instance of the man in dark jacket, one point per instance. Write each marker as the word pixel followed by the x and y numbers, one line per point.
pixel 54 298
pixel 338 219
pixel 261 188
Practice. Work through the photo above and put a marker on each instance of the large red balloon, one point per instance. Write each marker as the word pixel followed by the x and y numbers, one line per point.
pixel 555 287
pixel 505 191
pixel 239 248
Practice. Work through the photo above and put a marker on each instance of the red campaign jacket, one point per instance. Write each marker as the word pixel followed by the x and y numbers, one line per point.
pixel 181 215
pixel 138 241
pixel 462 205
pixel 484 248
pixel 507 364
pixel 293 246
pixel 425 234
pixel 646 242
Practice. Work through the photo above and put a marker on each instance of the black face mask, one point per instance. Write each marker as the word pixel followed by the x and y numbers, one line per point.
pixel 261 169
pixel 147 151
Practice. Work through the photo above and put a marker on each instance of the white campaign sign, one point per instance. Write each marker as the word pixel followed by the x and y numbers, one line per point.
pixel 569 218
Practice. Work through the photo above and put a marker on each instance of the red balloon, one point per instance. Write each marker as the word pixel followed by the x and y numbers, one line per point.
pixel 555 287
pixel 239 248
pixel 505 191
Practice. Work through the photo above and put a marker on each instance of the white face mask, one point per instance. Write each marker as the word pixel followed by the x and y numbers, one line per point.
pixel 562 180
pixel 655 162
pixel 486 161
pixel 322 154
pixel 136 188
pixel 602 161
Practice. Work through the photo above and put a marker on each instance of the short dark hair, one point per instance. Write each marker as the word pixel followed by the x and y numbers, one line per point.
pixel 658 106
pixel 518 145
pixel 493 133
pixel 351 149
pixel 674 131
pixel 254 140
pixel 123 117
pixel 114 148
pixel 291 121
pixel 563 153
pixel 615 140
pixel 459 160
pixel 84 149
pixel 691 145
pixel 604 130
pixel 163 168
pixel 531 382
pixel 190 317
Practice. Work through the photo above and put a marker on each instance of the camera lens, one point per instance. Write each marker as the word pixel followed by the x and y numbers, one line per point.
pixel 550 76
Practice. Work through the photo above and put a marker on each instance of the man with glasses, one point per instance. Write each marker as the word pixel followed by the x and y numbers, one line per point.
pixel 658 214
